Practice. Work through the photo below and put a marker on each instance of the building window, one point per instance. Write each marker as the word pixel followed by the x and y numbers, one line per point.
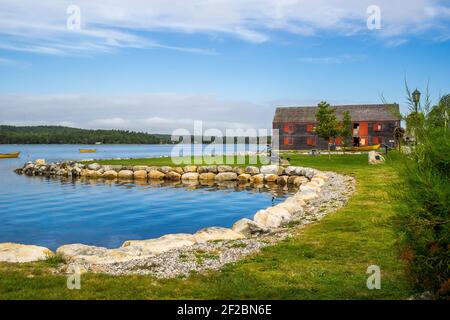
pixel 309 127
pixel 288 141
pixel 377 140
pixel 377 127
pixel 311 141
pixel 288 128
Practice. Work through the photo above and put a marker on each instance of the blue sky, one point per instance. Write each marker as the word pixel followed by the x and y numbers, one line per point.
pixel 155 66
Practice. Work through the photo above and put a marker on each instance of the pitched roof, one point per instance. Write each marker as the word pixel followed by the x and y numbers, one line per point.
pixel 366 112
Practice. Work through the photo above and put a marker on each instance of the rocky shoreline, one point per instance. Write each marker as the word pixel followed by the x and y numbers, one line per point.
pixel 319 193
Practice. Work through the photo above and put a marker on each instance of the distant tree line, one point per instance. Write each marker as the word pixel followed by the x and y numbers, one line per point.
pixel 66 135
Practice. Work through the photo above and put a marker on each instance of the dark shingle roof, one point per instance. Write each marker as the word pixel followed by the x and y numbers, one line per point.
pixel 367 112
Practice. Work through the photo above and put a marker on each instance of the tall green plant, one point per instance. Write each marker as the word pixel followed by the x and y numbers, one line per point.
pixel 327 123
pixel 424 187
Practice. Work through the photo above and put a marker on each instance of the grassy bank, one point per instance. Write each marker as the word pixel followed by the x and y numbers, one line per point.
pixel 326 260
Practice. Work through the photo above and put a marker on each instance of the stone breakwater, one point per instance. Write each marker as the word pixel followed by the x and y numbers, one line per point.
pixel 210 248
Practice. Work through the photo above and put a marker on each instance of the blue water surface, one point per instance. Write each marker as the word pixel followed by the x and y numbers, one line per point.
pixel 51 212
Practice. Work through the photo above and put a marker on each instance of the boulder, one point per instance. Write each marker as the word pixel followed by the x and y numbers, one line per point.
pixel 252 170
pixel 258 178
pixel 238 170
pixel 310 186
pixel 110 174
pixel 217 233
pixel 290 170
pixel 156 175
pixel 140 174
pixel 226 176
pixel 190 176
pixel 40 162
pixel 282 180
pixel 317 181
pixel 94 166
pixel 297 181
pixel 205 176
pixel 82 253
pixel 115 167
pixel 249 228
pixel 307 195
pixel 126 174
pixel 140 168
pixel 375 158
pixel 190 169
pixel 203 169
pixel 269 169
pixel 270 177
pixel 224 168
pixel 14 252
pixel 178 170
pixel 174 176
pixel 165 169
pixel 267 220
pixel 292 207
pixel 273 217
pixel 244 177
pixel 160 245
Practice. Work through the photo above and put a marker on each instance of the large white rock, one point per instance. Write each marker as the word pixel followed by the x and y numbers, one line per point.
pixel 310 186
pixel 190 176
pixel 224 168
pixel 162 244
pixel 273 217
pixel 226 176
pixel 217 233
pixel 307 195
pixel 290 170
pixel 81 253
pixel 15 252
pixel 375 158
pixel 267 220
pixel 39 162
pixel 155 175
pixel 318 181
pixel 252 170
pixel 126 174
pixel 292 207
pixel 269 169
pixel 94 166
pixel 190 169
pixel 249 227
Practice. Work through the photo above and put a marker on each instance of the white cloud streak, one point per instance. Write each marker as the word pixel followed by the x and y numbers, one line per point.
pixel 151 112
pixel 108 25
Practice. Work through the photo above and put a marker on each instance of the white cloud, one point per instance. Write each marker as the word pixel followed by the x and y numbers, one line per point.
pixel 151 112
pixel 108 25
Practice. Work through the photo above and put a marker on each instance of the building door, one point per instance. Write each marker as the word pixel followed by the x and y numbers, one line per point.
pixel 363 134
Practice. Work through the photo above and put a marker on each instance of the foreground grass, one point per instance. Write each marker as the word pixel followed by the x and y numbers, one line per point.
pixel 326 260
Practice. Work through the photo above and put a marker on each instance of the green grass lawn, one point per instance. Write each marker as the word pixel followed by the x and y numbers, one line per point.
pixel 325 260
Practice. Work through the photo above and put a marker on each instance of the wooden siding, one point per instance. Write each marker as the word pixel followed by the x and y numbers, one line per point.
pixel 299 135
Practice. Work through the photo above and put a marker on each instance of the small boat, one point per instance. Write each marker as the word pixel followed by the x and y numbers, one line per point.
pixel 365 148
pixel 88 150
pixel 9 155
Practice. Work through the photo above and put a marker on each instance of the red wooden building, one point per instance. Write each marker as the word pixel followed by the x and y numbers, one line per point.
pixel 371 124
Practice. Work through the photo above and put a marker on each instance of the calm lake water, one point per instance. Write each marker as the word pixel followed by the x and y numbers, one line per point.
pixel 53 212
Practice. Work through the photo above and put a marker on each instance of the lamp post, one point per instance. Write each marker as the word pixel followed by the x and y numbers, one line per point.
pixel 416 99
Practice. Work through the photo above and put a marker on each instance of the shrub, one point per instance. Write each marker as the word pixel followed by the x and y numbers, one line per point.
pixel 424 188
